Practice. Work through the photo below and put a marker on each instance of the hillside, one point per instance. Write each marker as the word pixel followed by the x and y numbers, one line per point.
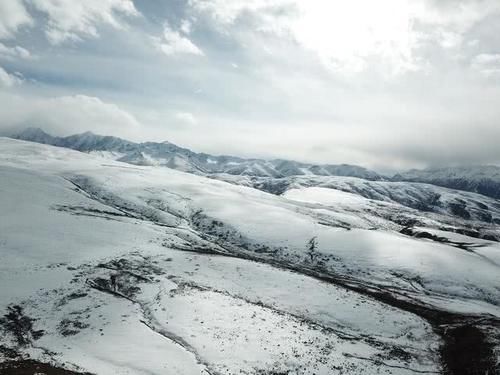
pixel 194 268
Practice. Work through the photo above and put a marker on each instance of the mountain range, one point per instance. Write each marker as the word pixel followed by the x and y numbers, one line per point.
pixel 484 180
pixel 175 157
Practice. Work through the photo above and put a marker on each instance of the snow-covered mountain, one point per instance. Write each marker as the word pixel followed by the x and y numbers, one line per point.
pixel 110 268
pixel 479 179
pixel 405 203
pixel 172 156
pixel 484 180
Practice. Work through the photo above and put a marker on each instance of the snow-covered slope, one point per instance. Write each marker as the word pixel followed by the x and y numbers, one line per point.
pixel 118 269
pixel 172 156
pixel 393 205
pixel 484 180
pixel 479 179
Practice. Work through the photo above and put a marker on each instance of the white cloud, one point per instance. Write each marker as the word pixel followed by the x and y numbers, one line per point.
pixel 487 64
pixel 350 36
pixel 70 20
pixel 66 114
pixel 345 37
pixel 174 42
pixel 186 26
pixel 280 102
pixel 13 15
pixel 226 12
pixel 8 80
pixel 13 52
pixel 186 118
pixel 343 34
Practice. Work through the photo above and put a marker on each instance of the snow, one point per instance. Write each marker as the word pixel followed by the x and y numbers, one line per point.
pixel 477 172
pixel 265 220
pixel 483 179
pixel 111 155
pixel 328 197
pixel 121 346
pixel 66 214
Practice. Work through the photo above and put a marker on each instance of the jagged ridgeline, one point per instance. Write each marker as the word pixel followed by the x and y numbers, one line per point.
pixel 172 156
pixel 484 180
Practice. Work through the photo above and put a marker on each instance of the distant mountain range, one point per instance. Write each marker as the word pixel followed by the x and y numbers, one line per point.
pixel 169 155
pixel 484 180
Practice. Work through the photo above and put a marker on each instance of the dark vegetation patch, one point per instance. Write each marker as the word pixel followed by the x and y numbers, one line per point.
pixel 69 327
pixel 137 268
pixel 75 295
pixel 88 211
pixel 467 351
pixel 412 232
pixel 459 209
pixel 125 276
pixel 112 286
pixel 8 353
pixel 32 367
pixel 20 326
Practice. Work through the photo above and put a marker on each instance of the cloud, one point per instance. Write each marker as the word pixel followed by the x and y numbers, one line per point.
pixel 70 20
pixel 10 53
pixel 351 37
pixel 487 64
pixel 8 80
pixel 176 42
pixel 185 118
pixel 13 16
pixel 225 13
pixel 394 85
pixel 344 35
pixel 66 114
pixel 186 26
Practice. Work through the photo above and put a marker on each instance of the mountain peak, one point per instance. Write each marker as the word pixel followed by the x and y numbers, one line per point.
pixel 88 133
pixel 33 131
pixel 170 155
pixel 34 134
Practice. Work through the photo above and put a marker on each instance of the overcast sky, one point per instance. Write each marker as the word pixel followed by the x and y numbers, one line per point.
pixel 387 84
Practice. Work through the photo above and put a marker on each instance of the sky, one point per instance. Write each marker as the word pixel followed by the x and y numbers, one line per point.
pixel 387 84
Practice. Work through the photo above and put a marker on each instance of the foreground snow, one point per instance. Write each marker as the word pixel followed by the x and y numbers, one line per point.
pixel 149 270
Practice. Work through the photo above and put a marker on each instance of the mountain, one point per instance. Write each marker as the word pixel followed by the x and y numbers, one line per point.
pixel 389 197
pixel 112 268
pixel 172 156
pixel 484 180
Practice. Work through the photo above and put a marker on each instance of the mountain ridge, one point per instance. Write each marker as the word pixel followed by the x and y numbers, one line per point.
pixel 484 180
pixel 176 157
